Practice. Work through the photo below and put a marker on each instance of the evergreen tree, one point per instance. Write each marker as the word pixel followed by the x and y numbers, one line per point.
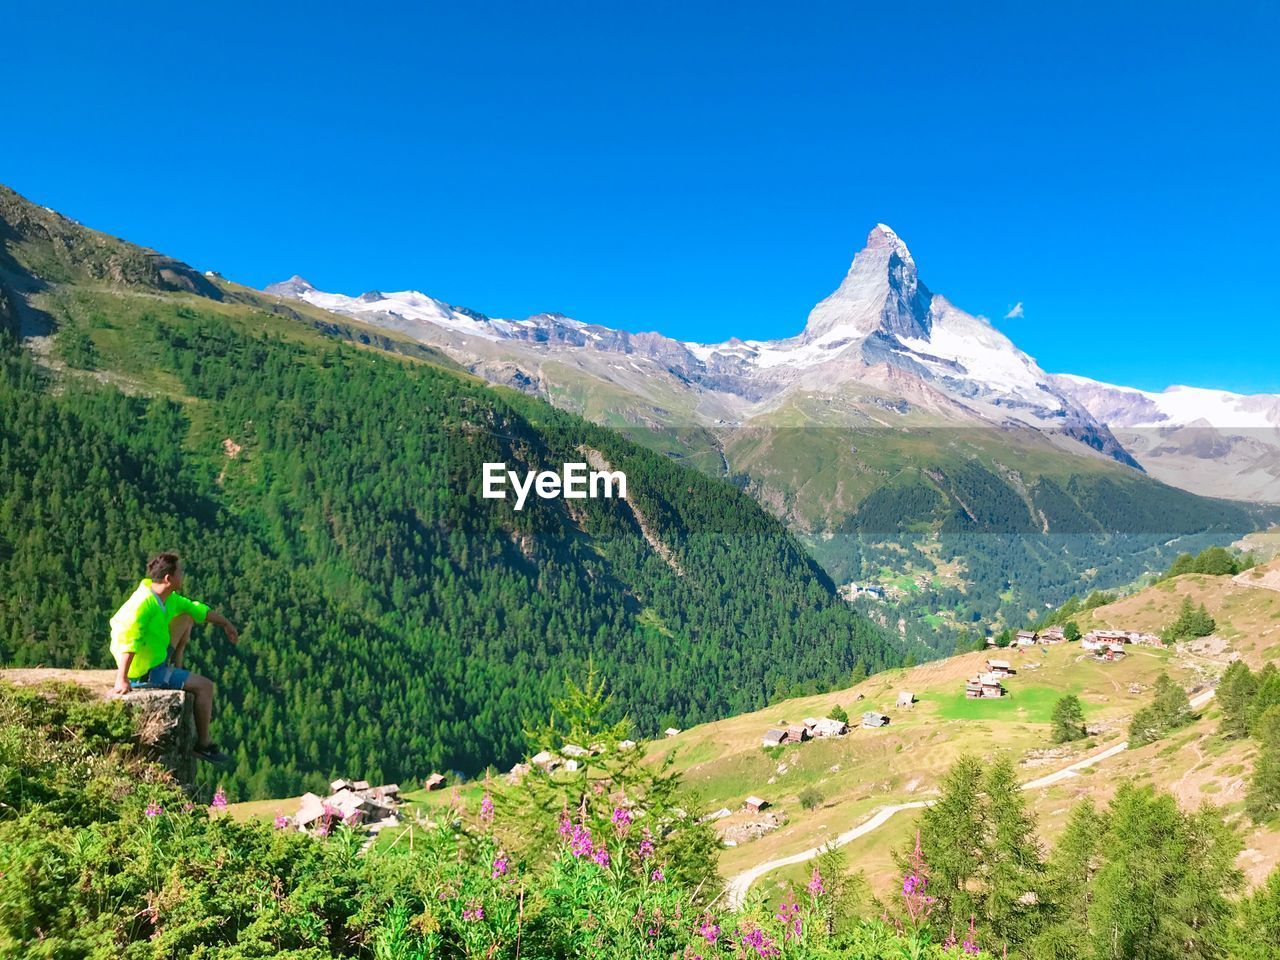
pixel 1071 631
pixel 1191 622
pixel 1068 720
pixel 1170 710
pixel 1255 931
pixel 951 833
pixel 1262 800
pixel 1067 886
pixel 1235 695
pixel 1266 694
pixel 1012 859
pixel 1161 892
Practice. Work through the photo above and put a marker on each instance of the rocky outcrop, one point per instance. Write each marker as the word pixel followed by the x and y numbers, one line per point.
pixel 163 721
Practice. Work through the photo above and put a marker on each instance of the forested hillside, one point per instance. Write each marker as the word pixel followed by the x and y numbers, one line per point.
pixel 326 499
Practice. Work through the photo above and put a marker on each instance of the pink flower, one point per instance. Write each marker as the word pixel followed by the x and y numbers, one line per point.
pixel 646 845
pixel 710 931
pixel 756 939
pixel 281 822
pixel 656 876
pixel 601 856
pixel 474 911
pixel 970 945
pixel 153 810
pixel 500 865
pixel 566 825
pixel 918 903
pixel 621 819
pixel 815 885
pixel 219 800
pixel 789 916
pixel 486 810
pixel 580 842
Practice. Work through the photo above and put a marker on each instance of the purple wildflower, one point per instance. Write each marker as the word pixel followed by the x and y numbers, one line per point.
pixel 621 819
pixel 815 885
pixel 580 842
pixel 281 821
pixel 789 916
pixel 646 845
pixel 486 810
pixel 757 940
pixel 500 865
pixel 601 856
pixel 710 931
pixel 970 945
pixel 219 800
pixel 474 911
pixel 656 876
pixel 153 810
pixel 566 825
pixel 914 885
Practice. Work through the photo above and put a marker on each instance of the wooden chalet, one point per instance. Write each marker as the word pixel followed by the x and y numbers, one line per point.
pixel 985 686
pixel 773 738
pixel 1000 668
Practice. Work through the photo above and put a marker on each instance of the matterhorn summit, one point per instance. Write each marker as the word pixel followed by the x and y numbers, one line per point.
pixel 881 291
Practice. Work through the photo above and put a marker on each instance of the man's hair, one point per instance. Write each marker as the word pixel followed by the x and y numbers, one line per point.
pixel 161 565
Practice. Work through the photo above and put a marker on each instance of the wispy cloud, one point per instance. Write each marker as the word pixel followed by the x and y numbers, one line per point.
pixel 1015 312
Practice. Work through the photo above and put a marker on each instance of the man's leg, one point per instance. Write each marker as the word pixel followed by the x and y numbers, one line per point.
pixel 202 689
pixel 179 633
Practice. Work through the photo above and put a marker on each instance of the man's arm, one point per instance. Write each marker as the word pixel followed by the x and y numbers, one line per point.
pixel 123 685
pixel 218 620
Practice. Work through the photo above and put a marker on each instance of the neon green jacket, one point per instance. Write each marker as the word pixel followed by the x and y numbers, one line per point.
pixel 141 626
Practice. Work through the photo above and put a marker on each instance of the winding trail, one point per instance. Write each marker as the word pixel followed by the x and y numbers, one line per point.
pixel 735 891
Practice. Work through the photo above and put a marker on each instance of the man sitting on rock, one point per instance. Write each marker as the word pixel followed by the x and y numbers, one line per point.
pixel 149 635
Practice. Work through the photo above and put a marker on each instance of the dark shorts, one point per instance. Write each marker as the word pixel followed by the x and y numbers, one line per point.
pixel 165 676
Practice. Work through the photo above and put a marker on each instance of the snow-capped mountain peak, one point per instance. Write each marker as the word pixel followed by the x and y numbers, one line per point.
pixel 881 291
pixel 295 287
pixel 881 326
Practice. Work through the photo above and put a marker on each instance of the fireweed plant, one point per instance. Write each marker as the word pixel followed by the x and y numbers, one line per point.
pixel 103 856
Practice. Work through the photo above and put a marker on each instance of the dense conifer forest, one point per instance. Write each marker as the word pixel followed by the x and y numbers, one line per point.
pixel 327 500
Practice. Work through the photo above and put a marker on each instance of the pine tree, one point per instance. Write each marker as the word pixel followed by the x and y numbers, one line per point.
pixel 1068 720
pixel 1071 631
pixel 1262 800
pixel 951 833
pixel 1235 695
pixel 1171 709
pixel 1161 891
pixel 1012 858
pixel 1068 875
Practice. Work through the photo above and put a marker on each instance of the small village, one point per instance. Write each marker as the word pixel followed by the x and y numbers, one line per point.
pixel 355 803
pixel 351 802
pixel 1107 646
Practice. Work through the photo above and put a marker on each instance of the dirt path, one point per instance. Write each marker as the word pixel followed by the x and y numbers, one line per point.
pixel 1270 580
pixel 735 891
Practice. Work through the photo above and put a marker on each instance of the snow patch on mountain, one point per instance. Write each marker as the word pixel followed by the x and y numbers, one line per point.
pixel 1175 406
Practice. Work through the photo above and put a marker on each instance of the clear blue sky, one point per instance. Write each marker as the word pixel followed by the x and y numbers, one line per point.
pixel 706 170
